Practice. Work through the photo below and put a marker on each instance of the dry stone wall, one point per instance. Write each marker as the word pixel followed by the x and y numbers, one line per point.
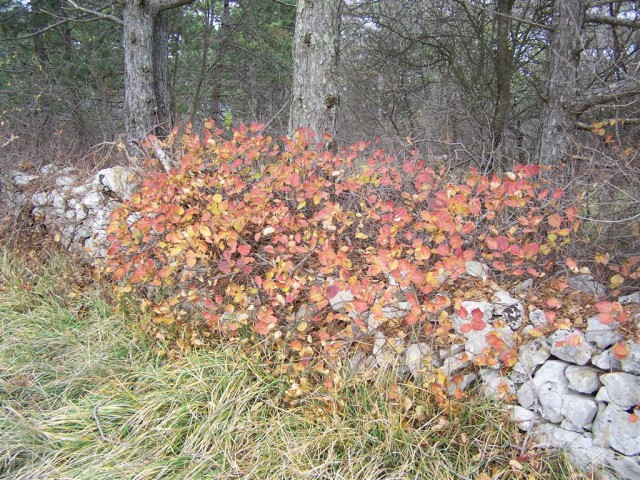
pixel 73 208
pixel 571 390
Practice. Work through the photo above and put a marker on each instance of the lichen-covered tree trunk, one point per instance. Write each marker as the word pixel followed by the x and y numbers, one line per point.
pixel 145 62
pixel 139 93
pixel 161 72
pixel 564 57
pixel 316 42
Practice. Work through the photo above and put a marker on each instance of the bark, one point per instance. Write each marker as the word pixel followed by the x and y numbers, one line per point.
pixel 504 74
pixel 224 36
pixel 160 73
pixel 140 98
pixel 564 57
pixel 147 102
pixel 315 97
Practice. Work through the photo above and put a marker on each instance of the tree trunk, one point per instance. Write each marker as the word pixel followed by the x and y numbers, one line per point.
pixel 147 102
pixel 504 73
pixel 139 96
pixel 315 67
pixel 160 73
pixel 224 34
pixel 564 57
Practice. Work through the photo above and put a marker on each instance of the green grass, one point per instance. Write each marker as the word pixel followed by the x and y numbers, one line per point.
pixel 83 397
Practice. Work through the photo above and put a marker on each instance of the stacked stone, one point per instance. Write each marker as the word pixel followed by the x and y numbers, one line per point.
pixel 75 210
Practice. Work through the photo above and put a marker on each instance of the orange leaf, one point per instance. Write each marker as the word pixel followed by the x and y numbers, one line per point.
pixel 555 220
pixel 620 351
pixel 191 258
pixel 553 302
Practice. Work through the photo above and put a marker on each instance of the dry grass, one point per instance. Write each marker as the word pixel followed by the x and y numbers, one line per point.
pixel 82 397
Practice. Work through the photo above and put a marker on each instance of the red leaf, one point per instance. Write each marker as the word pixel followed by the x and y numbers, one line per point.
pixel 502 243
pixel 332 291
pixel 606 318
pixel 360 306
pixel 244 249
pixel 478 324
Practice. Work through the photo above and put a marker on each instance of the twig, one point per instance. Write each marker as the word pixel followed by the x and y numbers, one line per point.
pixel 98 14
pixel 95 417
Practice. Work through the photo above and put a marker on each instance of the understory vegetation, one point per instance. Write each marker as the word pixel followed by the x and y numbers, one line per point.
pixel 85 394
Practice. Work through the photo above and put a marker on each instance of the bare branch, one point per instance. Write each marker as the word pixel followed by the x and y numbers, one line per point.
pixel 608 121
pixel 607 94
pixel 97 13
pixel 614 21
pixel 160 5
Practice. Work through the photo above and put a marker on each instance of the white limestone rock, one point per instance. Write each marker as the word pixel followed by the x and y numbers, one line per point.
pixel 530 356
pixel 631 363
pixel 120 181
pixel 462 384
pixel 613 428
pixel 620 388
pixel 455 363
pixel 65 180
pixel 550 386
pixel 526 395
pixel 571 346
pixel 587 284
pixel 41 199
pixel 338 301
pixel 603 336
pixel 387 351
pixel 476 269
pixel 524 286
pixel 581 450
pixel 580 410
pixel 447 352
pixel 396 310
pixel 625 468
pixel 538 319
pixel 525 419
pixel 627 299
pixel 606 361
pixel 494 384
pixel 414 356
pixel 93 200
pixel 21 179
pixel 582 379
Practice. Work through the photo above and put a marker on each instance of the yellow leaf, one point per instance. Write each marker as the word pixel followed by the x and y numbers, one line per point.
pixel 602 258
pixel 217 198
pixel 302 204
pixel 205 231
pixel 361 236
pixel 616 281
pixel 534 332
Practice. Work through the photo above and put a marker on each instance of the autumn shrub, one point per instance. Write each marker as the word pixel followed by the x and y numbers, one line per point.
pixel 289 240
